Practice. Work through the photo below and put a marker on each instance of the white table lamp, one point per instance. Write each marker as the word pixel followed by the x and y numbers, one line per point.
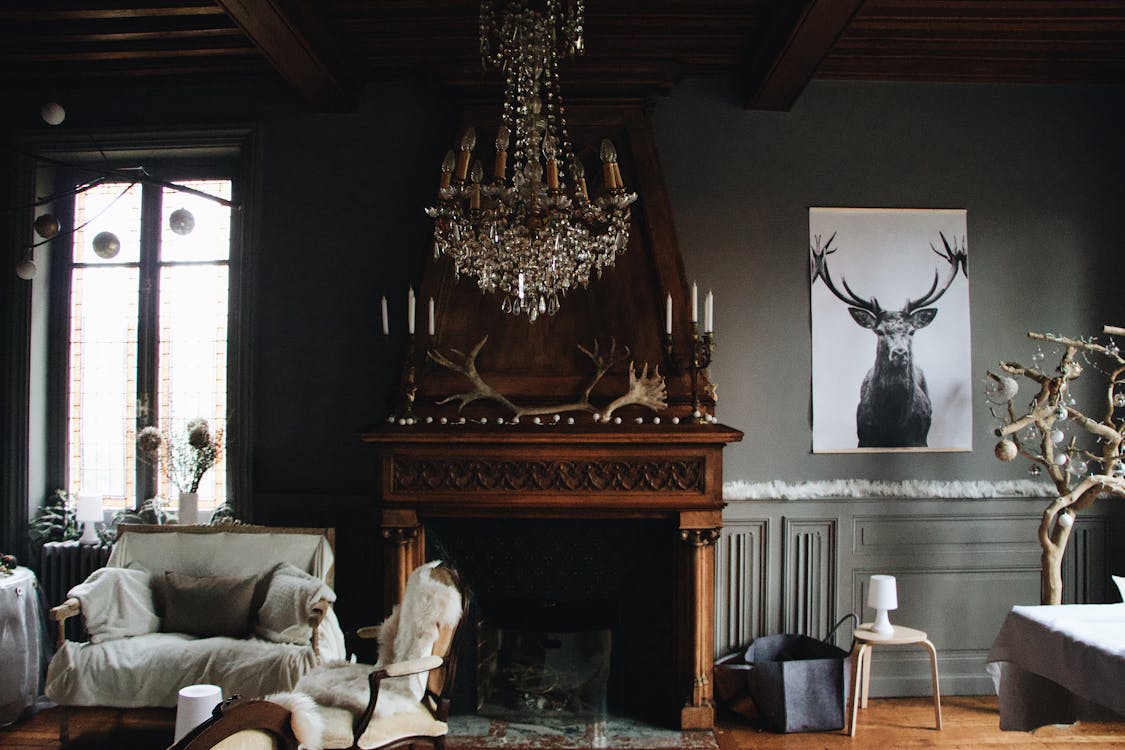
pixel 88 513
pixel 882 596
pixel 194 706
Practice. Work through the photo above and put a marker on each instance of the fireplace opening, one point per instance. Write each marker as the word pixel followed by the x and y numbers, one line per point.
pixel 544 659
pixel 571 619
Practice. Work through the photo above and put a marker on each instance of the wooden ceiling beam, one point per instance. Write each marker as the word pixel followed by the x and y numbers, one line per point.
pixel 800 39
pixel 296 41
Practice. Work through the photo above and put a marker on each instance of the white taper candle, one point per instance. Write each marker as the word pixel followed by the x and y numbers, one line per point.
pixel 709 312
pixel 694 303
pixel 386 323
pixel 668 315
pixel 410 311
pixel 432 328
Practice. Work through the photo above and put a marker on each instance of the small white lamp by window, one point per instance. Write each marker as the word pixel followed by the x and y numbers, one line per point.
pixel 882 596
pixel 88 513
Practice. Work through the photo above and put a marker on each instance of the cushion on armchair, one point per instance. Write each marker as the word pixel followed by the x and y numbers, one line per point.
pixel 116 602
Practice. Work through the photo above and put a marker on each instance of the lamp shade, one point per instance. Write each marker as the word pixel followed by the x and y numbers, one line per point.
pixel 883 593
pixel 89 509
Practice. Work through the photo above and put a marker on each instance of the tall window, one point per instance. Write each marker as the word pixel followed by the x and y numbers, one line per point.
pixel 149 271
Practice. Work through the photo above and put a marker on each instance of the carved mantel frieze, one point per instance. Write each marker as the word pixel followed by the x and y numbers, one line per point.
pixel 609 474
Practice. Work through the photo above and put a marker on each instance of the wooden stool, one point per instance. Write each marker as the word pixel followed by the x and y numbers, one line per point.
pixel 865 640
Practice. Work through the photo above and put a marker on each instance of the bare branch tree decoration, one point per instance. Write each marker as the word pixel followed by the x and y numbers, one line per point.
pixel 1080 474
pixel 644 389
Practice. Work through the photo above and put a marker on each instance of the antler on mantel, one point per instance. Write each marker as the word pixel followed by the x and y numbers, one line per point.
pixel 644 389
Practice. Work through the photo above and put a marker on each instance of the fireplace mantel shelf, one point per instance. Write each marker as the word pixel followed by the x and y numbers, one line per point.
pixel 525 433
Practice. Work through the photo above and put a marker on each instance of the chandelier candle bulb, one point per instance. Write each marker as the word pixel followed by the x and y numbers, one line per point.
pixel 468 143
pixel 447 165
pixel 709 313
pixel 694 303
pixel 503 136
pixel 432 327
pixel 386 324
pixel 668 315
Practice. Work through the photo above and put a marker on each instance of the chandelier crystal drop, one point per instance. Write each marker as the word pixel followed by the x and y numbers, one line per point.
pixel 530 231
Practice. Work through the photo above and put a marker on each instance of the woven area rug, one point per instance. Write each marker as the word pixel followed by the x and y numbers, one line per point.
pixel 480 733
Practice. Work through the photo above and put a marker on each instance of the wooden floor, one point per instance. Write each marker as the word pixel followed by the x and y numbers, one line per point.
pixel 887 724
pixel 968 723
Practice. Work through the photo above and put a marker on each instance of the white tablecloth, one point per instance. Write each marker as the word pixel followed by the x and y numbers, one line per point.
pixel 21 643
pixel 1058 664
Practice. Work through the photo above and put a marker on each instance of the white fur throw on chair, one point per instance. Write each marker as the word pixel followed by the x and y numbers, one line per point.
pixel 409 633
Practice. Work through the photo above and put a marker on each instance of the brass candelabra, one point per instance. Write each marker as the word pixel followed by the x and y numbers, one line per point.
pixel 698 359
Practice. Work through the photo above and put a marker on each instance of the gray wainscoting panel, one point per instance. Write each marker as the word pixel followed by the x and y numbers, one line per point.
pixel 808 576
pixel 1085 563
pixel 961 564
pixel 741 604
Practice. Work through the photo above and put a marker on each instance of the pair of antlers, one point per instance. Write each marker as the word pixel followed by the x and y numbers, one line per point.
pixel 956 257
pixel 644 389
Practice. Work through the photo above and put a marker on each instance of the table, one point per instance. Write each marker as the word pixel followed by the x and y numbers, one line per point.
pixel 865 641
pixel 1056 664
pixel 22 635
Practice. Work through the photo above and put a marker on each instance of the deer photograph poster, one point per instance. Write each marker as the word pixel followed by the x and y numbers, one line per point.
pixel 891 366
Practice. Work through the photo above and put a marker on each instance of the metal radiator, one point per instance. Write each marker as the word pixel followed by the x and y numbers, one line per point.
pixel 64 565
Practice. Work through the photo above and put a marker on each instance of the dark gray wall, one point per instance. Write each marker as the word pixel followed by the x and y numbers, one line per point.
pixel 1038 168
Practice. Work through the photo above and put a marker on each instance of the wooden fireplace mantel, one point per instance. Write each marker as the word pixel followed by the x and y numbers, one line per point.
pixel 589 471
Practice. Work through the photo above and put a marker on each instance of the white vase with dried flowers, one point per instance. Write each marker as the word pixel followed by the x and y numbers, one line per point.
pixel 183 458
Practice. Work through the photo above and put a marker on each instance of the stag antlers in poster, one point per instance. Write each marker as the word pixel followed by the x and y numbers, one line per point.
pixel 890 330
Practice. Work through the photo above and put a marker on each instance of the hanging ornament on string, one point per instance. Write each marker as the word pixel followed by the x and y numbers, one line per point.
pixel 106 245
pixel 52 113
pixel 181 221
pixel 26 269
pixel 1034 470
pixel 47 226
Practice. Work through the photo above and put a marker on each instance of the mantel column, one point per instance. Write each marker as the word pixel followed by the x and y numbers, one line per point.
pixel 404 549
pixel 696 605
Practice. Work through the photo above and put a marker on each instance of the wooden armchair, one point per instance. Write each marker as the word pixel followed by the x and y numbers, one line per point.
pixel 340 707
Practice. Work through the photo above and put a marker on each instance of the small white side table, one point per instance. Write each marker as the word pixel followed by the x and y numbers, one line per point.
pixel 865 641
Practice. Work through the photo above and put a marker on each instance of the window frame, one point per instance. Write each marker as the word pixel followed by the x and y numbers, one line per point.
pixel 149 268
pixel 225 153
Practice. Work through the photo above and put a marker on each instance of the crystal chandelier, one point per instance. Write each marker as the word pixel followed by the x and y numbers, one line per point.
pixel 530 233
